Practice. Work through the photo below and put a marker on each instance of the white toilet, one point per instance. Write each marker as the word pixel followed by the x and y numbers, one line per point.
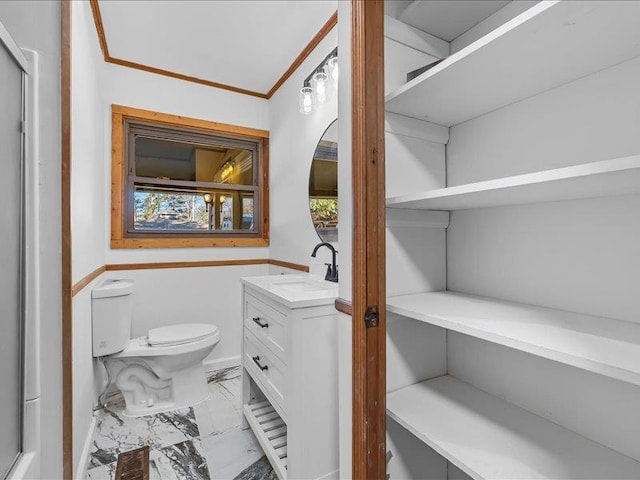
pixel 158 372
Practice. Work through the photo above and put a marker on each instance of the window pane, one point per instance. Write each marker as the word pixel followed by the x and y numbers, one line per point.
pixel 183 210
pixel 174 160
pixel 166 210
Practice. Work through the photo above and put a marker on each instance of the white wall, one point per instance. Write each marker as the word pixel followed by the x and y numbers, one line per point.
pixel 88 168
pixel 192 295
pixel 135 88
pixel 345 220
pixel 88 204
pixel 590 119
pixel 294 138
pixel 36 26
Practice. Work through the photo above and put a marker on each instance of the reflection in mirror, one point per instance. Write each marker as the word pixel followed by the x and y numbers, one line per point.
pixel 323 185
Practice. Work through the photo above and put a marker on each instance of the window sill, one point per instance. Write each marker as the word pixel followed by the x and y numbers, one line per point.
pixel 199 242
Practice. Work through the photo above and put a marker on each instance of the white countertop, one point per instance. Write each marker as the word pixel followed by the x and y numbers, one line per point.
pixel 295 291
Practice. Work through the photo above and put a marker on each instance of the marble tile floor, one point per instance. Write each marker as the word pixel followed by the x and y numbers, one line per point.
pixel 203 442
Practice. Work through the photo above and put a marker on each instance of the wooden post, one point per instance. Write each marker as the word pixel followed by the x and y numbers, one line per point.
pixel 369 296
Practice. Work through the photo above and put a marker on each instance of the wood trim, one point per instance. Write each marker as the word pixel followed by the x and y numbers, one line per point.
pixel 264 201
pixel 97 20
pixel 102 38
pixel 114 267
pixel 368 173
pixel 119 114
pixel 182 242
pixel 179 120
pixel 78 286
pixel 204 263
pixel 326 28
pixel 117 178
pixel 293 266
pixel 181 76
pixel 344 306
pixel 67 306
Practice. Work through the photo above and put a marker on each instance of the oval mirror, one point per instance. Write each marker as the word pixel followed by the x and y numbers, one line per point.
pixel 323 185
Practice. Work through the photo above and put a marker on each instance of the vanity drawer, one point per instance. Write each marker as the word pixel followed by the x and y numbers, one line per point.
pixel 267 324
pixel 265 368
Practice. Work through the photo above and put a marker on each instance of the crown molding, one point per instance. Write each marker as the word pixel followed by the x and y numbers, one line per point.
pixel 102 38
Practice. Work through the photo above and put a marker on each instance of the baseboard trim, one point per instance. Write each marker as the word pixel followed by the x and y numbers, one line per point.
pixel 81 470
pixel 220 363
pixel 330 476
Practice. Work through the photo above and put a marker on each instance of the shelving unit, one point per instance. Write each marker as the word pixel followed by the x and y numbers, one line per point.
pixel 489 438
pixel 618 176
pixel 271 434
pixel 489 387
pixel 601 345
pixel 547 46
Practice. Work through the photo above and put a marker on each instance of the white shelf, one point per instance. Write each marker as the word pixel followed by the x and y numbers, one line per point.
pixel 489 438
pixel 271 433
pixel 601 345
pixel 547 46
pixel 619 176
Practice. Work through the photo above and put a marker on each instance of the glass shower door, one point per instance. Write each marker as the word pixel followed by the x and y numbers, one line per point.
pixel 11 254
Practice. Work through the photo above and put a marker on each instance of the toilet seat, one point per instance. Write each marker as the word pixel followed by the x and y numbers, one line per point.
pixel 179 334
pixel 190 339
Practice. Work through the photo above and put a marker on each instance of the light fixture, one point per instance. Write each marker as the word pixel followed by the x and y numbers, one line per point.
pixel 208 199
pixel 307 100
pixel 332 68
pixel 222 198
pixel 320 87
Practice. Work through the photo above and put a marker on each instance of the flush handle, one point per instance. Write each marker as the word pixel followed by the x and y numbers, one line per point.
pixel 256 360
pixel 262 325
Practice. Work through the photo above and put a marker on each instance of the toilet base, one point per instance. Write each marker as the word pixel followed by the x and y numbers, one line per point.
pixel 161 407
pixel 147 393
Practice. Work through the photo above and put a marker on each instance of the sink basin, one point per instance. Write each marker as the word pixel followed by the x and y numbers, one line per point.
pixel 300 285
pixel 294 290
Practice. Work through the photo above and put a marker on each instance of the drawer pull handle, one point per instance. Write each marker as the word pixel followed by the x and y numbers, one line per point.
pixel 262 325
pixel 256 360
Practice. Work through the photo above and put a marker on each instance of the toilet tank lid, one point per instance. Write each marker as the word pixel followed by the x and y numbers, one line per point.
pixel 181 333
pixel 113 288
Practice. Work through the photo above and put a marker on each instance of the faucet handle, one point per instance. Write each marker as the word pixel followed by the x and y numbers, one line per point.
pixel 332 275
pixel 329 275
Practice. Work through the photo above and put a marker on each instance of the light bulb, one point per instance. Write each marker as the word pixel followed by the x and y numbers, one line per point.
pixel 306 101
pixel 332 67
pixel 319 83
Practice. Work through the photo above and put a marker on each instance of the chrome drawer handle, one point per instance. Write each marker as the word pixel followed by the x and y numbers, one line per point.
pixel 262 325
pixel 256 360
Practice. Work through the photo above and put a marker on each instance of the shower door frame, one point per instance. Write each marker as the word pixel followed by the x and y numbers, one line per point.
pixel 18 56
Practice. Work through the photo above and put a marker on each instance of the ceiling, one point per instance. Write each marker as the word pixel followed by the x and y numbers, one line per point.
pixel 245 44
pixel 446 19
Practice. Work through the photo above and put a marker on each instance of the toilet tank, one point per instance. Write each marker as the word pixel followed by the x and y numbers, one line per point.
pixel 111 312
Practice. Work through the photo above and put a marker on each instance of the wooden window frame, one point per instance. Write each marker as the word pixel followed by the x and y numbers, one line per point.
pixel 123 238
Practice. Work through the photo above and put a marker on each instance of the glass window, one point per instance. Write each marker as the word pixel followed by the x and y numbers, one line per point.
pixel 185 182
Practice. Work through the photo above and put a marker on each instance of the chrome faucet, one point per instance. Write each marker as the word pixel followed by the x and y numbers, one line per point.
pixel 332 268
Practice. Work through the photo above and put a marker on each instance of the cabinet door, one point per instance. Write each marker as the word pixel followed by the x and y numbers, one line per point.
pixel 267 324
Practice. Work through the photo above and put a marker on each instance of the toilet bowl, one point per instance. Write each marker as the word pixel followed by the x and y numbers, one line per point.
pixel 158 372
pixel 163 370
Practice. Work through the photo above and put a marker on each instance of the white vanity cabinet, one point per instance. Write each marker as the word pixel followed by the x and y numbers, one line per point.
pixel 290 372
